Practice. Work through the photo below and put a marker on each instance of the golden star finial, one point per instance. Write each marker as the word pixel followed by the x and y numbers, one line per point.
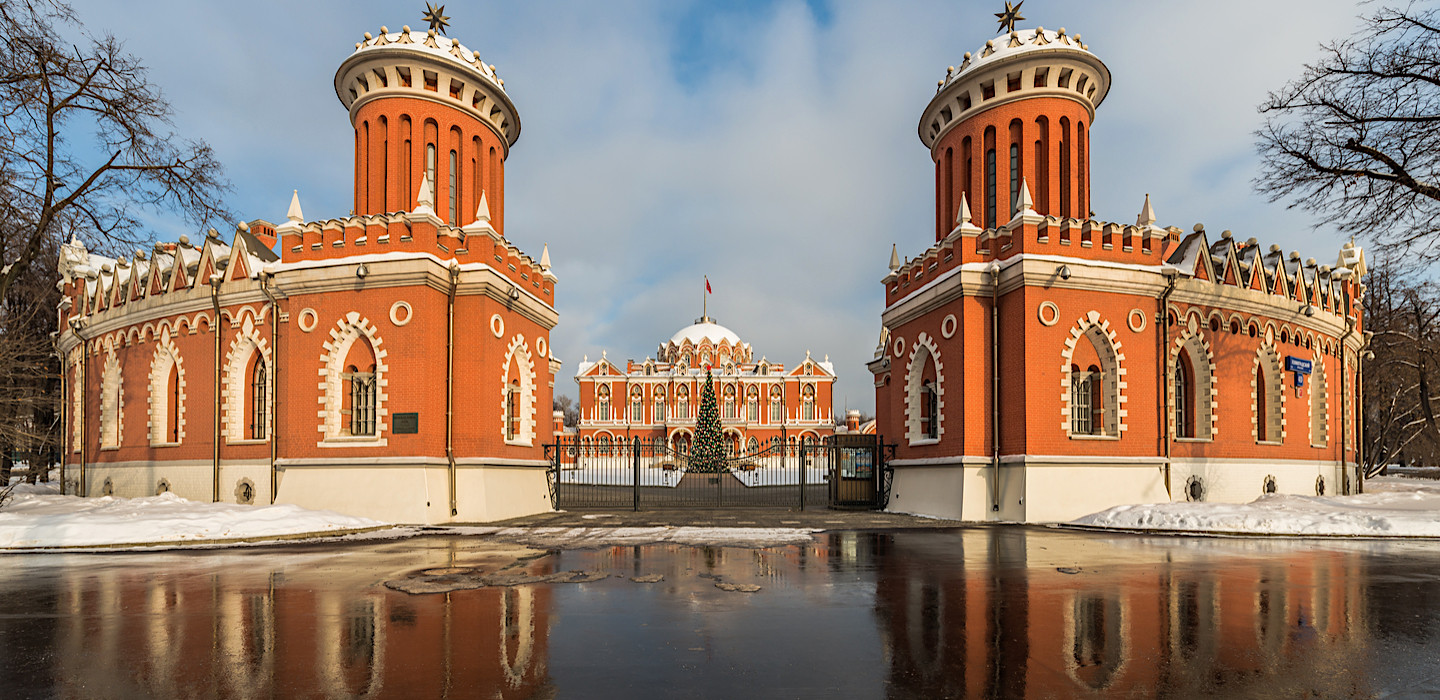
pixel 1010 16
pixel 439 20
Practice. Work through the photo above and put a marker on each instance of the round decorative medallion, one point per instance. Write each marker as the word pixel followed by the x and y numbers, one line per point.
pixel 308 320
pixel 540 347
pixel 1136 319
pixel 947 327
pixel 401 313
pixel 1048 313
pixel 497 326
pixel 899 348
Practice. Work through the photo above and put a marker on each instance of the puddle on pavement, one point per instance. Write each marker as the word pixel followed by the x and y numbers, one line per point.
pixel 984 612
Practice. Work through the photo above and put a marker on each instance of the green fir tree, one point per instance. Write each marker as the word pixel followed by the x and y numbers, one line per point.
pixel 707 455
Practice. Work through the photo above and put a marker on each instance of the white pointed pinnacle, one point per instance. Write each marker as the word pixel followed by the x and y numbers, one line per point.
pixel 294 214
pixel 1147 213
pixel 426 199
pixel 545 258
pixel 963 216
pixel 1027 203
pixel 894 257
pixel 482 212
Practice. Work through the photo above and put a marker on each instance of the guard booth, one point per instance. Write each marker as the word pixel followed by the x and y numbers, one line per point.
pixel 855 474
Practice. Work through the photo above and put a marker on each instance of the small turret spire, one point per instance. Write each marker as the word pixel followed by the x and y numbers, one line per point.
pixel 294 214
pixel 482 212
pixel 1147 213
pixel 894 257
pixel 426 199
pixel 1027 203
pixel 545 258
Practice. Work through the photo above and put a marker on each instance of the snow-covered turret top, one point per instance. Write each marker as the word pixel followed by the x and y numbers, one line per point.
pixel 1016 65
pixel 426 65
pixel 702 336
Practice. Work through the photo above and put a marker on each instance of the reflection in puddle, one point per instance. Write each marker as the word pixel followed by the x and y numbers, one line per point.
pixel 986 612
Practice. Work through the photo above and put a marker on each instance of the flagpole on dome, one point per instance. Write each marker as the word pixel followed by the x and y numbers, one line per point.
pixel 705 303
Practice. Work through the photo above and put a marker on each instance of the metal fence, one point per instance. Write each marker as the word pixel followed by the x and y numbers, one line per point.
pixel 654 474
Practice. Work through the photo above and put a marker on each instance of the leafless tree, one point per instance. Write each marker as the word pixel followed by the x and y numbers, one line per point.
pixel 86 141
pixel 1356 138
pixel 1402 380
pixel 567 405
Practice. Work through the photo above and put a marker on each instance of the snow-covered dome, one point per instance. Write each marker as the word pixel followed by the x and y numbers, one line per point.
pixel 705 329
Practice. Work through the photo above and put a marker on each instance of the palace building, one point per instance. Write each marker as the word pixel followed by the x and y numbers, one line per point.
pixel 659 399
pixel 1036 364
pixel 393 363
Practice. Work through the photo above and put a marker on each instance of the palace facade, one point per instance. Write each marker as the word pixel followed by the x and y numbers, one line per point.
pixel 393 363
pixel 659 399
pixel 1036 364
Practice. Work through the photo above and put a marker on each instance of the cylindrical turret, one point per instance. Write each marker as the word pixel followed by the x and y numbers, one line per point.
pixel 1020 111
pixel 424 105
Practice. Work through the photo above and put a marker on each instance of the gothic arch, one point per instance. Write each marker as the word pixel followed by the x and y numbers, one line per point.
pixel 1267 358
pixel 1192 344
pixel 922 353
pixel 237 381
pixel 332 364
pixel 525 373
pixel 166 358
pixel 112 400
pixel 1111 359
pixel 1319 402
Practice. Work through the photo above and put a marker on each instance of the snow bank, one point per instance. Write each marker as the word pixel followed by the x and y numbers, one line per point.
pixel 38 516
pixel 1390 507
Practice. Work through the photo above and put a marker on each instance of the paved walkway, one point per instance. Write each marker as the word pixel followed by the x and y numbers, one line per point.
pixel 818 519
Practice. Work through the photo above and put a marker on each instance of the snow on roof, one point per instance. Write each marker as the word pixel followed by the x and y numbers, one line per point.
pixel 1020 42
pixel 437 45
pixel 704 330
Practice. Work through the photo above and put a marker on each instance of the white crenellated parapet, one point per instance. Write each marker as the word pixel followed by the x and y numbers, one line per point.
pixel 1021 64
pixel 426 66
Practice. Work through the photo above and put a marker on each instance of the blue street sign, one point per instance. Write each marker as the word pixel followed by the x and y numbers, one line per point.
pixel 1297 365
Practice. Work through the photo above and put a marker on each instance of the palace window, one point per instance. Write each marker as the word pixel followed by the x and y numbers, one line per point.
pixel 1184 397
pixel 730 413
pixel 602 403
pixel 752 405
pixel 807 403
pixel 512 410
pixel 362 399
pixel 1014 179
pixel 929 410
pixel 454 189
pixel 172 407
pixel 990 188
pixel 637 406
pixel 777 406
pixel 1319 404
pixel 258 398
pixel 659 405
pixel 1084 400
pixel 682 404
pixel 1261 434
pixel 430 165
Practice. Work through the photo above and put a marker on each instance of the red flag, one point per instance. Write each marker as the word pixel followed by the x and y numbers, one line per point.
pixel 707 286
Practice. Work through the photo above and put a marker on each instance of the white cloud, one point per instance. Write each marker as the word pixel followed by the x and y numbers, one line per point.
pixel 780 158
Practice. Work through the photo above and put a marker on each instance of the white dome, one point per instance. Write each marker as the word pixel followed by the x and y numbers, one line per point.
pixel 706 330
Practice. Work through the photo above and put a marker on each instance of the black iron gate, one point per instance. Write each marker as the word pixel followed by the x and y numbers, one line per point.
pixel 846 471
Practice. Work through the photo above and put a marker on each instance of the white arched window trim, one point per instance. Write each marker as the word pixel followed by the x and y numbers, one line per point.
pixel 1091 328
pixel 1205 397
pixel 518 356
pixel 1268 357
pixel 166 357
pixel 112 401
pixel 921 354
pixel 1319 402
pixel 236 418
pixel 332 428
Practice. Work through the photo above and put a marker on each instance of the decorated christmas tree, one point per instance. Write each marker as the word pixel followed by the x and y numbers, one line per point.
pixel 708 452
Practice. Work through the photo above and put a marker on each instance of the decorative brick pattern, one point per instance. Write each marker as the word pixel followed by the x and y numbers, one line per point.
pixel 166 357
pixel 1206 396
pixel 236 416
pixel 1112 370
pixel 922 352
pixel 518 355
pixel 332 364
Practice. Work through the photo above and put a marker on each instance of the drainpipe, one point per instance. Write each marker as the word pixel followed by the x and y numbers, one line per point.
pixel 450 387
pixel 1360 358
pixel 75 326
pixel 1171 275
pixel 215 328
pixel 1345 397
pixel 995 382
pixel 274 379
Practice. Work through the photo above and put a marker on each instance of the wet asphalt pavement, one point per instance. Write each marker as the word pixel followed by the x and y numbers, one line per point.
pixel 896 613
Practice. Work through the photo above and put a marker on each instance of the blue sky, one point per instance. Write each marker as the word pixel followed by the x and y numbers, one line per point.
pixel 769 145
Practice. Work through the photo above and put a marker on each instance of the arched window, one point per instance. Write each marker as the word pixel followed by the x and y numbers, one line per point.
pixel 362 399
pixel 1041 165
pixel 807 403
pixel 1014 179
pixel 1094 394
pixel 602 445
pixel 752 405
pixel 637 406
pixel 454 219
pixel 730 412
pixel 430 165
pixel 1082 400
pixel 777 405
pixel 752 446
pixel 259 404
pixel 602 403
pixel 947 175
pixel 1065 204
pixel 966 176
pixel 1261 434
pixel 1083 203
pixel 929 410
pixel 172 409
pixel 682 404
pixel 384 164
pixel 407 161
pixel 512 410
pixel 1184 396
pixel 167 383
pixel 659 404
pixel 990 188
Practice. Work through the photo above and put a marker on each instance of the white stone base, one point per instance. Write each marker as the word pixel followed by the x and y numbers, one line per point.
pixel 1039 489
pixel 408 491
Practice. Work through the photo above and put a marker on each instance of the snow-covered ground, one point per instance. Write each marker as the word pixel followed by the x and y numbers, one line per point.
pixel 1392 506
pixel 37 516
pixel 656 476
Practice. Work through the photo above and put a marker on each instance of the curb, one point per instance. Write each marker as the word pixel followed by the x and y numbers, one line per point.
pixel 198 544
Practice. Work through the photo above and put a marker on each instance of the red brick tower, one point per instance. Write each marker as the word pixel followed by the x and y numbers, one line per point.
pixel 1018 112
pixel 454 132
